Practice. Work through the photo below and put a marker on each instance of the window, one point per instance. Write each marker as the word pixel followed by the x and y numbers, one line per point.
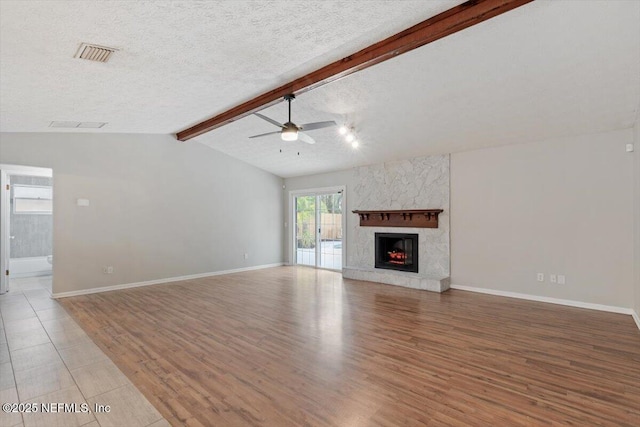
pixel 32 199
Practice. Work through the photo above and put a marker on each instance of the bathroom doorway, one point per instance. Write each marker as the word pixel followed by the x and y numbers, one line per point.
pixel 26 230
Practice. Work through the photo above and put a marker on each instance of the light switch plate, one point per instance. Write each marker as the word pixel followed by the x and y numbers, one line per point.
pixel 83 202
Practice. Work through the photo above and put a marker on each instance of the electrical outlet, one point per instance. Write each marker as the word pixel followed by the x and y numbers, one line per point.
pixel 246 255
pixel 540 277
pixel 109 270
pixel 561 279
pixel 552 278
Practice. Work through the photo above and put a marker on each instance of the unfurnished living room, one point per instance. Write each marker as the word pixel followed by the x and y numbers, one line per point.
pixel 319 213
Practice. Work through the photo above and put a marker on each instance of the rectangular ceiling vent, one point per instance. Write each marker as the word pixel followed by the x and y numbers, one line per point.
pixel 77 125
pixel 93 52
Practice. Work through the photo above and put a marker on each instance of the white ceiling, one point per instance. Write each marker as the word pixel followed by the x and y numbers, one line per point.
pixel 179 61
pixel 547 69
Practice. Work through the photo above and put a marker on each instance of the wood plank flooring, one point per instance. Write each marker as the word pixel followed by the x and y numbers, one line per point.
pixel 300 347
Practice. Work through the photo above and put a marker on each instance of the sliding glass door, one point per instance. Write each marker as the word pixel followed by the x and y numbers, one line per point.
pixel 306 230
pixel 318 234
pixel 330 233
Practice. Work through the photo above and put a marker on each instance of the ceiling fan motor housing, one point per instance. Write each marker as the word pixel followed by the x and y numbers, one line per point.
pixel 290 125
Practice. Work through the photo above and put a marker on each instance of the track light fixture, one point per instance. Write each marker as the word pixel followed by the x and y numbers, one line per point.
pixel 349 135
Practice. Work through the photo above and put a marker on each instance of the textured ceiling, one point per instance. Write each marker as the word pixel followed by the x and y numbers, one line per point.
pixel 179 61
pixel 544 70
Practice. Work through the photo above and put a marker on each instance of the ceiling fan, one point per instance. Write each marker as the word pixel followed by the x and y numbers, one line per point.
pixel 289 131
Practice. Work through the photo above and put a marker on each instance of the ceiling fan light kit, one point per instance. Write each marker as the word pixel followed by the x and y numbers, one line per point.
pixel 289 134
pixel 289 131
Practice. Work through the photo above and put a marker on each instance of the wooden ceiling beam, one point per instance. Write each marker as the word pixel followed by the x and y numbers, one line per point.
pixel 446 23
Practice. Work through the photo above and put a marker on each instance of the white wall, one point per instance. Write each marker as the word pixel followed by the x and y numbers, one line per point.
pixel 562 206
pixel 159 208
pixel 636 155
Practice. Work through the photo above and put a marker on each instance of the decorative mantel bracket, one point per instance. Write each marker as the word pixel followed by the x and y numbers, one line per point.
pixel 419 218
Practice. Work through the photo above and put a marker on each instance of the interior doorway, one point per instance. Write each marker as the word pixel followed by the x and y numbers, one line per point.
pixel 319 223
pixel 26 229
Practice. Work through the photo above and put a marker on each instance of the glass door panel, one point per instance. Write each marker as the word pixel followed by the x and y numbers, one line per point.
pixel 306 230
pixel 330 247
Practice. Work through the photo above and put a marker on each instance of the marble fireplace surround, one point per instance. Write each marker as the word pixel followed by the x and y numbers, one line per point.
pixel 419 183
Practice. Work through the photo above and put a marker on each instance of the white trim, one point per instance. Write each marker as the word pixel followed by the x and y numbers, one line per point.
pixel 26 170
pixel 317 191
pixel 161 281
pixel 5 244
pixel 6 170
pixel 292 220
pixel 636 318
pixel 571 303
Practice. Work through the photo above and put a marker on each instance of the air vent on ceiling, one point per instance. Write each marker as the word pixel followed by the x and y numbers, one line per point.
pixel 93 52
pixel 77 125
pixel 64 124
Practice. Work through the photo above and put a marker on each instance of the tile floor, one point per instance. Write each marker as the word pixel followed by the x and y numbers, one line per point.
pixel 45 357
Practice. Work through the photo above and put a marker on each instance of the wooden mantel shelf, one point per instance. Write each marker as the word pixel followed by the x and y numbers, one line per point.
pixel 419 218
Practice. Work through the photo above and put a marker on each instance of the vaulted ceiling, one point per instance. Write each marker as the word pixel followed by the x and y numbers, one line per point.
pixel 544 70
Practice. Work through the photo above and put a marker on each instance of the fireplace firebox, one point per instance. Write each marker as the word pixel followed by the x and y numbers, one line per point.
pixel 397 251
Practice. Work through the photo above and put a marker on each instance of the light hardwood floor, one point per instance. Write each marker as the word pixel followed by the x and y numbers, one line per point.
pixel 295 346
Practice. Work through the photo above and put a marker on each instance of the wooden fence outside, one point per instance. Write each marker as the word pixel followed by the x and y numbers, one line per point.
pixel 330 226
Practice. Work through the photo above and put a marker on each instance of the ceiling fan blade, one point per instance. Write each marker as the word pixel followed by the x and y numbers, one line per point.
pixel 318 125
pixel 273 122
pixel 264 134
pixel 306 138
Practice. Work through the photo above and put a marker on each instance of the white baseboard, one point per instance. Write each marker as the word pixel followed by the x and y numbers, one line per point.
pixel 571 303
pixel 636 318
pixel 160 281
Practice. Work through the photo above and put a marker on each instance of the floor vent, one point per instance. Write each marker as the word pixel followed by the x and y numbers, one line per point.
pixel 93 52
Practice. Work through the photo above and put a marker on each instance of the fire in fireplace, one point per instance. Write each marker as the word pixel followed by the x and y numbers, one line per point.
pixel 397 251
